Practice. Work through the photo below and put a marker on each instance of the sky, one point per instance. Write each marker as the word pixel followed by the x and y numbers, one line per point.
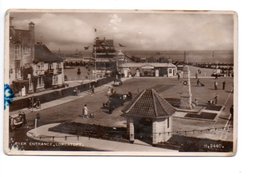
pixel 136 31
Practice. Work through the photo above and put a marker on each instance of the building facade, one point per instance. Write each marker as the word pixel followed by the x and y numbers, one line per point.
pixel 148 69
pixel 149 118
pixel 33 67
pixel 104 54
pixel 21 56
pixel 48 68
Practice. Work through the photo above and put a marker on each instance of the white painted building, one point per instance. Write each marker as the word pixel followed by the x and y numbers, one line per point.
pixel 48 69
pixel 149 118
pixel 148 69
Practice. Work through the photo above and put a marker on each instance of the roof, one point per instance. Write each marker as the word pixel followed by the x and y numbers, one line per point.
pixel 120 53
pixel 43 54
pixel 18 36
pixel 148 104
pixel 141 65
pixel 104 42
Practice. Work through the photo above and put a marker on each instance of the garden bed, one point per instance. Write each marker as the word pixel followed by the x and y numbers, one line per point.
pixel 213 107
pixel 175 102
pixel 94 131
pixel 202 115
pixel 191 144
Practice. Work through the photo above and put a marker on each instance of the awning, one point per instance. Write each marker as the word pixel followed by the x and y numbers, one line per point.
pixel 147 67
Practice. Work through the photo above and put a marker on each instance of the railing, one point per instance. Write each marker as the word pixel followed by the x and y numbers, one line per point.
pixel 50 71
pixel 65 137
pixel 39 72
pixel 57 94
pixel 200 131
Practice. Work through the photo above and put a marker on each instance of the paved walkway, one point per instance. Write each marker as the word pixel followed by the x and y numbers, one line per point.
pixel 67 98
pixel 71 84
pixel 43 134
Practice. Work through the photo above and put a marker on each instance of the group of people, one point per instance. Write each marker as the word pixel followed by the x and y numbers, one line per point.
pixel 199 83
pixel 216 85
pixel 214 100
pixel 76 91
pixel 34 104
pixel 110 91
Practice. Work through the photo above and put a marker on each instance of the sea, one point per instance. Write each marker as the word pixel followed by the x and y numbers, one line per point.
pixel 198 56
pixel 192 56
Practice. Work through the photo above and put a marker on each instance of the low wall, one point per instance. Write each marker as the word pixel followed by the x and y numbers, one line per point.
pixel 57 94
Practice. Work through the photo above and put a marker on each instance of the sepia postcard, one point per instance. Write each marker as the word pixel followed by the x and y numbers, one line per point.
pixel 120 82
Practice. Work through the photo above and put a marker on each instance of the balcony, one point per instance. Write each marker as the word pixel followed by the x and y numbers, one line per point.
pixel 50 71
pixel 39 72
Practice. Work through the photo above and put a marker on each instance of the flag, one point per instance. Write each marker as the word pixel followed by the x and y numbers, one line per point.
pixel 120 45
pixel 86 48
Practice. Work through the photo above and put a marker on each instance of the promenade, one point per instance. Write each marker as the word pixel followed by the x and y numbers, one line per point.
pixel 65 99
pixel 43 134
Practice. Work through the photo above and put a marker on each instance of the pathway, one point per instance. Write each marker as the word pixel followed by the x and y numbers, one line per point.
pixel 43 134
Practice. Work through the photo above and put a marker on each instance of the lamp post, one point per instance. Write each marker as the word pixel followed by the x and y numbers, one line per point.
pixel 95 57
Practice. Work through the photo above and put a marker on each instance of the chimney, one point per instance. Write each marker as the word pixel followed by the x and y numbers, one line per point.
pixel 11 21
pixel 31 26
pixel 185 58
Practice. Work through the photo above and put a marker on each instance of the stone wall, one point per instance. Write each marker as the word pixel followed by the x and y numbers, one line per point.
pixel 161 130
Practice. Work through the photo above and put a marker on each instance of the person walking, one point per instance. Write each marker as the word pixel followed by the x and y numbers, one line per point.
pixel 93 89
pixel 224 85
pixel 196 102
pixel 85 111
pixel 178 74
pixel 75 91
pixel 30 103
pixel 198 82
pixel 216 85
pixel 231 110
pixel 216 99
pixel 37 104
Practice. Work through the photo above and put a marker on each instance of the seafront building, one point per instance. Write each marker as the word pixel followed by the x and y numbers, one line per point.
pixel 33 67
pixel 148 69
pixel 48 69
pixel 149 117
pixel 21 55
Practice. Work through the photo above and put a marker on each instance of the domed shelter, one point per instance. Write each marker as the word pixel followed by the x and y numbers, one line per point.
pixel 149 117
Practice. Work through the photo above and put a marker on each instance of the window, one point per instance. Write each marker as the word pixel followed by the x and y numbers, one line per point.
pixel 168 122
pixel 170 71
pixel 40 81
pixel 50 66
pixel 55 80
pixel 16 52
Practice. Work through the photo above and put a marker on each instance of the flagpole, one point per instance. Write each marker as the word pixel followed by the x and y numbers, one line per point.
pixel 95 54
pixel 95 58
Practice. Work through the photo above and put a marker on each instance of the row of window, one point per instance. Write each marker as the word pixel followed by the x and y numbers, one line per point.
pixel 50 65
